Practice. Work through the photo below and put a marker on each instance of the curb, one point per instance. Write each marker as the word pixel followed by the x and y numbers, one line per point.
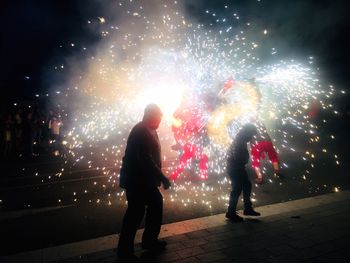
pixel 109 242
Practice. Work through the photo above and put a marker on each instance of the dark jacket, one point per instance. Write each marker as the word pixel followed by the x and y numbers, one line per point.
pixel 141 167
pixel 238 155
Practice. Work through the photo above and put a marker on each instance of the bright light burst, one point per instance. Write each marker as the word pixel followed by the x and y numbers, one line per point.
pixel 164 57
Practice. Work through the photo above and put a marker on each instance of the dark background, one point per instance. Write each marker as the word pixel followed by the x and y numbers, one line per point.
pixel 35 35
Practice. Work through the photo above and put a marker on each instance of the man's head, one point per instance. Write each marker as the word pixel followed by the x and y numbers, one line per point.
pixel 152 116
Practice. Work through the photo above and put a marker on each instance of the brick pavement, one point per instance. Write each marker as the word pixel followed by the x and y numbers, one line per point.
pixel 315 229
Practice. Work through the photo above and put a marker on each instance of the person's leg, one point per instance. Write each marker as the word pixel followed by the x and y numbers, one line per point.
pixel 153 220
pixel 247 189
pixel 183 162
pixel 234 196
pixel 179 168
pixel 203 166
pixel 6 149
pixel 31 144
pixel 256 155
pixel 58 144
pixel 54 141
pixel 132 219
pixel 236 184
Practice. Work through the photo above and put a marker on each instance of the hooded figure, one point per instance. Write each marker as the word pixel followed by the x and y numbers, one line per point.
pixel 238 157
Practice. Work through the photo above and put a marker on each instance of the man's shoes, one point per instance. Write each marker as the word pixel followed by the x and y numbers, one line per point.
pixel 128 259
pixel 234 217
pixel 157 246
pixel 250 212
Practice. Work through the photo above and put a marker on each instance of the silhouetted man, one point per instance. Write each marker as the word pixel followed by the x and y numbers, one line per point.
pixel 238 157
pixel 141 176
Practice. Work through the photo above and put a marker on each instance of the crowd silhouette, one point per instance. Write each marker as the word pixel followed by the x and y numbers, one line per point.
pixel 30 130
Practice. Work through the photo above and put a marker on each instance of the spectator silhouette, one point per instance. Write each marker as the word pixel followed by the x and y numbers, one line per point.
pixel 8 136
pixel 18 131
pixel 238 157
pixel 55 125
pixel 140 176
pixel 27 134
pixel 38 124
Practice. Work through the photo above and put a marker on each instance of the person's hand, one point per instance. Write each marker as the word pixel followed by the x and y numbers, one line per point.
pixel 166 183
pixel 259 180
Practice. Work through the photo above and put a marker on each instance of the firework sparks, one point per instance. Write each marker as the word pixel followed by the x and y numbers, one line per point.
pixel 168 59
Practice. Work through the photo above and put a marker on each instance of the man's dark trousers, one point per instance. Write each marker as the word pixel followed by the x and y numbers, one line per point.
pixel 141 201
pixel 240 182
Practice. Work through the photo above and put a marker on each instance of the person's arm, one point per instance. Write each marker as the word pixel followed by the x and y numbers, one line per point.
pixel 255 156
pixel 166 182
pixel 147 161
pixel 153 167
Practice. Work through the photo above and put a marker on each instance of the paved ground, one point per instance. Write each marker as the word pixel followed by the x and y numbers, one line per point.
pixel 315 229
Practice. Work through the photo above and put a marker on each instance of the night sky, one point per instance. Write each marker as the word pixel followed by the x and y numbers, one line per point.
pixel 36 35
